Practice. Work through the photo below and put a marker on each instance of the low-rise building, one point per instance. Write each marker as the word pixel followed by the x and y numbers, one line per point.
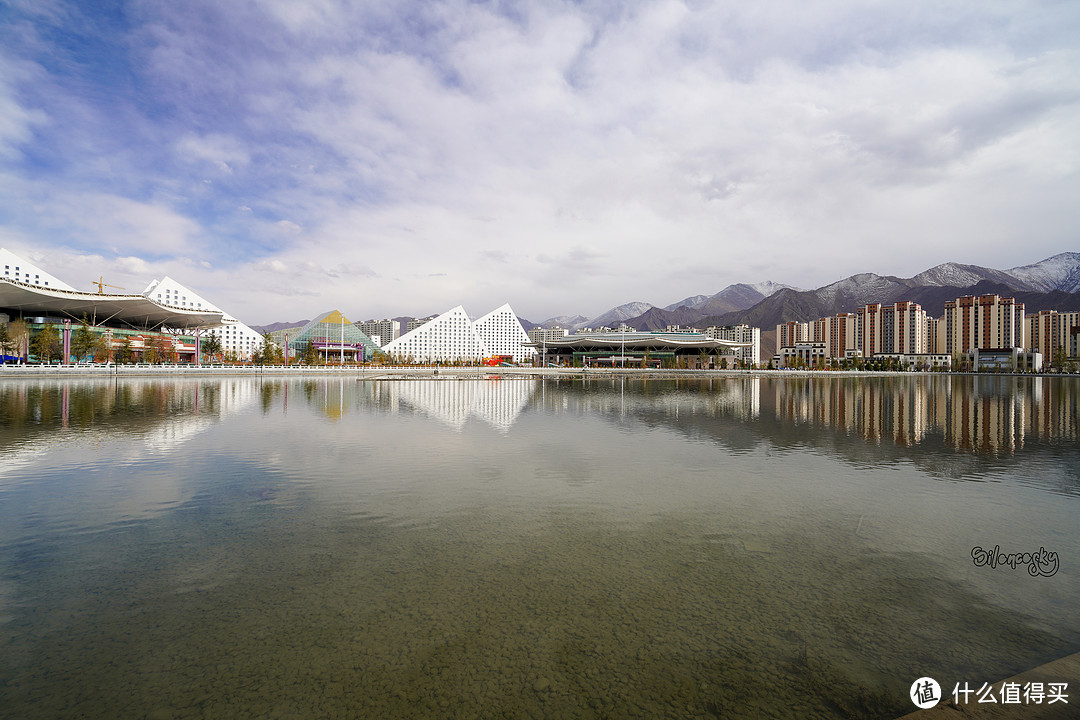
pixel 604 329
pixel 642 349
pixel 1012 359
pixel 542 334
pixel 801 354
pixel 918 361
pixel 333 337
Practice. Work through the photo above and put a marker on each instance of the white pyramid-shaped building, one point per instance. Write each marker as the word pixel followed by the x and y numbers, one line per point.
pixel 448 338
pixel 235 336
pixel 501 333
pixel 18 269
pixel 171 293
pixel 453 336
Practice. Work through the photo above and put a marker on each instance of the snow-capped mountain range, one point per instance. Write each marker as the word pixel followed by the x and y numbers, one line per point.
pixel 763 302
pixel 1060 272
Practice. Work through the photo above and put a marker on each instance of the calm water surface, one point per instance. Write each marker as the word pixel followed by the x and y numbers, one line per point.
pixel 731 548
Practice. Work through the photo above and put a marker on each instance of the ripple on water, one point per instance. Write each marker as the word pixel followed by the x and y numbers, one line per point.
pixel 620 560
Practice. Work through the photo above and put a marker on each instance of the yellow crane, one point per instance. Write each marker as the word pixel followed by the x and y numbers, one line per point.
pixel 101 285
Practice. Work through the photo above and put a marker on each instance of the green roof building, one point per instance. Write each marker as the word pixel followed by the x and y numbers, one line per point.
pixel 334 337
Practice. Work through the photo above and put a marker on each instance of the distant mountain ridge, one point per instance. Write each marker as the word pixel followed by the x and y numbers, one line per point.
pixel 692 302
pixel 1060 272
pixel 734 297
pixel 1052 283
pixel 565 321
pixel 619 314
pixel 1049 285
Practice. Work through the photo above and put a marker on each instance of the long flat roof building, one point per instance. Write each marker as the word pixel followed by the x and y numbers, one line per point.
pixel 24 298
pixel 29 293
pixel 692 349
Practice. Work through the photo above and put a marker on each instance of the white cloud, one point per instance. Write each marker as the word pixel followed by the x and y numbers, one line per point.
pixel 221 152
pixel 133 265
pixel 275 266
pixel 16 121
pixel 566 157
pixel 123 225
pixel 288 227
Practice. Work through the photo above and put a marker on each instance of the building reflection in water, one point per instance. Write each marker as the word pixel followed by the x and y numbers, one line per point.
pixel 733 398
pixel 159 415
pixel 453 402
pixel 134 423
pixel 968 413
pixel 979 414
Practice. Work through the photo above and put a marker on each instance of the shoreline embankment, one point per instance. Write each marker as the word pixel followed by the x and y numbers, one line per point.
pixel 388 372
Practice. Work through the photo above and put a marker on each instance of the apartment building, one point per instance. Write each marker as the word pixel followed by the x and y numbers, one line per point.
pixel 417 322
pixel 792 332
pixel 896 328
pixel 873 329
pixel 385 330
pixel 983 322
pixel 1049 331
pixel 970 323
pixel 840 336
pixel 740 334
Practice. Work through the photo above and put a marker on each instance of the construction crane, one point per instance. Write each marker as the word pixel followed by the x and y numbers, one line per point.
pixel 101 285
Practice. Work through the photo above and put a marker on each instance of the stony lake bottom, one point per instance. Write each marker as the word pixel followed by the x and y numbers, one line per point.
pixel 727 548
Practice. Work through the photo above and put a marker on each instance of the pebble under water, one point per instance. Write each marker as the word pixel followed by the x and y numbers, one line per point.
pixel 516 549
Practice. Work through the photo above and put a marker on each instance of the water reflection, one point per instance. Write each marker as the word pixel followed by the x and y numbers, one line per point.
pixel 978 414
pixel 496 402
pixel 729 548
pixel 981 414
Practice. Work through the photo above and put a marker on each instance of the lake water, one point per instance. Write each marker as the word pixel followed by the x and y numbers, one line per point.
pixel 737 547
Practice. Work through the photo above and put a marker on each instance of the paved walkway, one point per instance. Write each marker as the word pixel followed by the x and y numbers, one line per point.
pixel 399 372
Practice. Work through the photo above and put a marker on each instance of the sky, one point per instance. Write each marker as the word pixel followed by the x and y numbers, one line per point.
pixel 283 158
